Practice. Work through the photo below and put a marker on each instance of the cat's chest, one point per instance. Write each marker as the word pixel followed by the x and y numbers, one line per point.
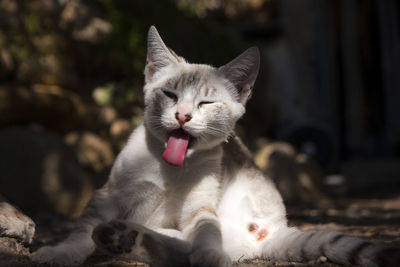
pixel 174 182
pixel 177 188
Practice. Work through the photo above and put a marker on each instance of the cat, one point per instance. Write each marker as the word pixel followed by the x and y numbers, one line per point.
pixel 185 192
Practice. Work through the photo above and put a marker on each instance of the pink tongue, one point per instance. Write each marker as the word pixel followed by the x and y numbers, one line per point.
pixel 177 145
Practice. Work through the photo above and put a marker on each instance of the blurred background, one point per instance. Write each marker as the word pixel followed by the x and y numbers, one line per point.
pixel 324 119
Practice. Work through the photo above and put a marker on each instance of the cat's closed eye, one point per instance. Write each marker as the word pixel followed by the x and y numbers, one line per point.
pixel 170 95
pixel 202 103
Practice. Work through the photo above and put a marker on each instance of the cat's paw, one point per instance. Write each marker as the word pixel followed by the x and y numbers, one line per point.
pixel 116 237
pixel 209 258
pixel 129 241
pixel 135 242
pixel 58 255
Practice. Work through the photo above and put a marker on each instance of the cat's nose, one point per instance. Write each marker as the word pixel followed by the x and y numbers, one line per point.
pixel 182 118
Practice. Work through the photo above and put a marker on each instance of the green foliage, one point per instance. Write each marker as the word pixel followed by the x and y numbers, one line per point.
pixel 191 6
pixel 103 95
pixel 32 24
pixel 126 44
pixel 116 94
pixel 110 68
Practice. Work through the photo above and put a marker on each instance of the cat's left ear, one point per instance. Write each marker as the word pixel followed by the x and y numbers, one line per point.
pixel 158 54
pixel 242 72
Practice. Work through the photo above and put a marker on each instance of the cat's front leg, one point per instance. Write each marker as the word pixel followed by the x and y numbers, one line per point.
pixel 207 248
pixel 201 227
pixel 79 245
pixel 73 251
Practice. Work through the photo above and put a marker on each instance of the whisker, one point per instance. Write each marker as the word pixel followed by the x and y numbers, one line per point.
pixel 217 130
pixel 202 131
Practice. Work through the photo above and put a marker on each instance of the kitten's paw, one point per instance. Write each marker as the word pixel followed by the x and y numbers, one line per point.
pixel 129 241
pixel 209 258
pixel 58 255
pixel 136 242
pixel 116 237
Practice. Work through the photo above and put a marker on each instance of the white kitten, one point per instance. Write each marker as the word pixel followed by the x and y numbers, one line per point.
pixel 184 190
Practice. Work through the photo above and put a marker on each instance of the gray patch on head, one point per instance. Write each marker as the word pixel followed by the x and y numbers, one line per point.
pixel 185 80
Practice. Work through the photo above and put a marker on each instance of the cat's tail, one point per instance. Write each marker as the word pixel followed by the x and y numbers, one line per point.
pixel 294 245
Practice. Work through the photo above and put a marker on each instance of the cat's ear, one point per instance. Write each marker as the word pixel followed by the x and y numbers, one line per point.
pixel 242 72
pixel 158 54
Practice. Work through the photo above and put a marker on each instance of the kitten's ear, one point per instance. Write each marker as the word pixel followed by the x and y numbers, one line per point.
pixel 158 54
pixel 242 72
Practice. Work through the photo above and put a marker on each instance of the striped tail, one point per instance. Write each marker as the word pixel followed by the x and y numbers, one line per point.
pixel 294 245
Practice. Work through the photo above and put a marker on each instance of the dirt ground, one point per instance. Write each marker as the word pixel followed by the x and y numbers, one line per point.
pixel 375 219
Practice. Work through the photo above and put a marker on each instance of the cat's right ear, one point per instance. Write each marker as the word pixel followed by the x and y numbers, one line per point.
pixel 242 72
pixel 158 54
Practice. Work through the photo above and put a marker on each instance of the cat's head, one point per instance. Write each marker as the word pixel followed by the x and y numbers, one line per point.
pixel 193 107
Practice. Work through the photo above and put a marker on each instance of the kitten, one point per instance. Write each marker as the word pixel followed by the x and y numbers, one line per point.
pixel 184 191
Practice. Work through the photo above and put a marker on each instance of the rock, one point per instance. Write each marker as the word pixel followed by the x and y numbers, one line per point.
pixel 120 131
pixel 93 31
pixel 107 115
pixel 16 231
pixel 264 155
pixel 80 17
pixel 298 178
pixel 11 246
pixel 15 224
pixel 51 106
pixel 93 151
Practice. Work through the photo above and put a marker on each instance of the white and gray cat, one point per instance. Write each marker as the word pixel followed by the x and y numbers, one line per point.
pixel 185 192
